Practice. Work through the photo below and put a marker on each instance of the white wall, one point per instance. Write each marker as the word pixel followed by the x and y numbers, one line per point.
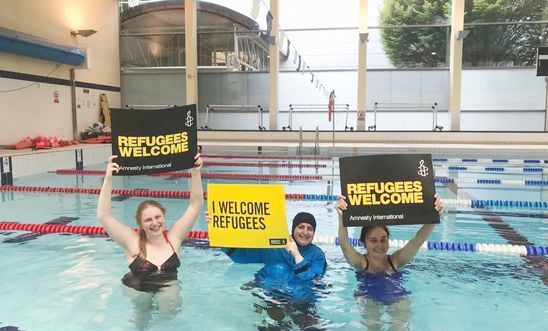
pixel 29 109
pixel 503 99
pixel 504 89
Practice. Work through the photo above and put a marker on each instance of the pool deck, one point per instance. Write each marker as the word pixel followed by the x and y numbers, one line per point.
pixel 512 144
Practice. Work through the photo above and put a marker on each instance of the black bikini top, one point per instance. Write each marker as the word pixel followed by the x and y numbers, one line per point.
pixel 141 265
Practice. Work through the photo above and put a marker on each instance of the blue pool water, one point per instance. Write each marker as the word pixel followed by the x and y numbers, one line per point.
pixel 72 282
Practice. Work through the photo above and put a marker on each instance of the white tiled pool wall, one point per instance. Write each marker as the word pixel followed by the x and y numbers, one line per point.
pixel 25 163
pixel 52 160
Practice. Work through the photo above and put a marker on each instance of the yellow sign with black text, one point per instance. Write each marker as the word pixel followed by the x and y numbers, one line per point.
pixel 247 216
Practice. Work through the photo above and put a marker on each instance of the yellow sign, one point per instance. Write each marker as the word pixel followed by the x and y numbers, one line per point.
pixel 247 215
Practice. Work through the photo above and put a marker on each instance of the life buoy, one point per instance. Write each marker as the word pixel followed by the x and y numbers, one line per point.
pixel 331 105
pixel 23 143
pixel 98 140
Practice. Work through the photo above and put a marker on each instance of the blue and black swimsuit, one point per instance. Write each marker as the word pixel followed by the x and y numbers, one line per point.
pixel 383 288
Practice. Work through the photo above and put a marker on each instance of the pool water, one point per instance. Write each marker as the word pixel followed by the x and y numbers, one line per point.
pixel 72 282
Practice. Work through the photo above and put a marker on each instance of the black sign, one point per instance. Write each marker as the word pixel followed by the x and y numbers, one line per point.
pixel 152 141
pixel 388 189
pixel 542 61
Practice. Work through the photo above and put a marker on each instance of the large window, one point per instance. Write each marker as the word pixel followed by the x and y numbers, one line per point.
pixel 152 35
pixel 499 32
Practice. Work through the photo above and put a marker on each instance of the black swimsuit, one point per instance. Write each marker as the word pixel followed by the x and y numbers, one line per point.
pixel 144 275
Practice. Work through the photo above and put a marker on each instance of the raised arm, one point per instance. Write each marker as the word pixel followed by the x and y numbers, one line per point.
pixel 405 254
pixel 181 227
pixel 309 266
pixel 119 232
pixel 352 256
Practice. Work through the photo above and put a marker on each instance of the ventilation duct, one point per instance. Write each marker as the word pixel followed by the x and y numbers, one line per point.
pixel 27 45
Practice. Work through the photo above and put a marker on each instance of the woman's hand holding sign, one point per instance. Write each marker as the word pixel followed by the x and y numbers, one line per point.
pixel 371 235
pixel 292 248
pixel 438 204
pixel 198 163
pixel 112 166
pixel 341 204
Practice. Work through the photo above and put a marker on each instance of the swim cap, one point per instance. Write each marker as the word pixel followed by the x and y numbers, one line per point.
pixel 303 217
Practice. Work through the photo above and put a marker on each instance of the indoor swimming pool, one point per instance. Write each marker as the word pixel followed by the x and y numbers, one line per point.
pixel 486 268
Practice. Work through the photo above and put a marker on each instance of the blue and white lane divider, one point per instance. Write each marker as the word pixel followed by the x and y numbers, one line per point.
pixel 496 204
pixel 493 161
pixel 493 204
pixel 492 169
pixel 510 182
pixel 448 246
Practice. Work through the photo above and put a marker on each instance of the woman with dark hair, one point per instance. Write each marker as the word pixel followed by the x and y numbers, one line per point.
pixel 153 251
pixel 375 241
pixel 378 273
pixel 289 280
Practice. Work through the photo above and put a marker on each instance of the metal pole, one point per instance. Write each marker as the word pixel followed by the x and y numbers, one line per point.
pixel 334 111
pixel 317 141
pixel 546 106
pixel 260 117
pixel 207 118
pixel 434 119
pixel 290 117
pixel 73 104
pixel 300 140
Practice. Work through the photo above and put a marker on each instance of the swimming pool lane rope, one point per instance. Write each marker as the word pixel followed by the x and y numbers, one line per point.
pixel 268 157
pixel 527 162
pixel 237 176
pixel 203 235
pixel 508 182
pixel 204 175
pixel 264 165
pixel 493 161
pixel 493 204
pixel 492 169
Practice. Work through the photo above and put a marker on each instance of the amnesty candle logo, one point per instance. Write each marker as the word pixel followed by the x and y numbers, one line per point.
pixel 189 119
pixel 152 141
pixel 388 189
pixel 423 170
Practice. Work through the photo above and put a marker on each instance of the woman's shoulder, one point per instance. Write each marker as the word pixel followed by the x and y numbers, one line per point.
pixel 131 246
pixel 362 264
pixel 394 259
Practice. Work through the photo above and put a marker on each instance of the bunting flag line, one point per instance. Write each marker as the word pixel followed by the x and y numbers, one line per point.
pixel 282 36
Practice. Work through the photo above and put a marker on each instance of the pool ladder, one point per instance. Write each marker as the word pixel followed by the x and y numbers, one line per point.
pixel 316 142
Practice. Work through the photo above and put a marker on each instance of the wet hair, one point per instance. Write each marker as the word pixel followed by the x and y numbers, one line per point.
pixel 138 215
pixel 366 230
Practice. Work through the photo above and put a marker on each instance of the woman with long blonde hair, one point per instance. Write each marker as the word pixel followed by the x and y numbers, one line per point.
pixel 153 251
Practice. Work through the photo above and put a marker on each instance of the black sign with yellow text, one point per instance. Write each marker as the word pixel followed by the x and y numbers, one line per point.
pixel 154 140
pixel 388 189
